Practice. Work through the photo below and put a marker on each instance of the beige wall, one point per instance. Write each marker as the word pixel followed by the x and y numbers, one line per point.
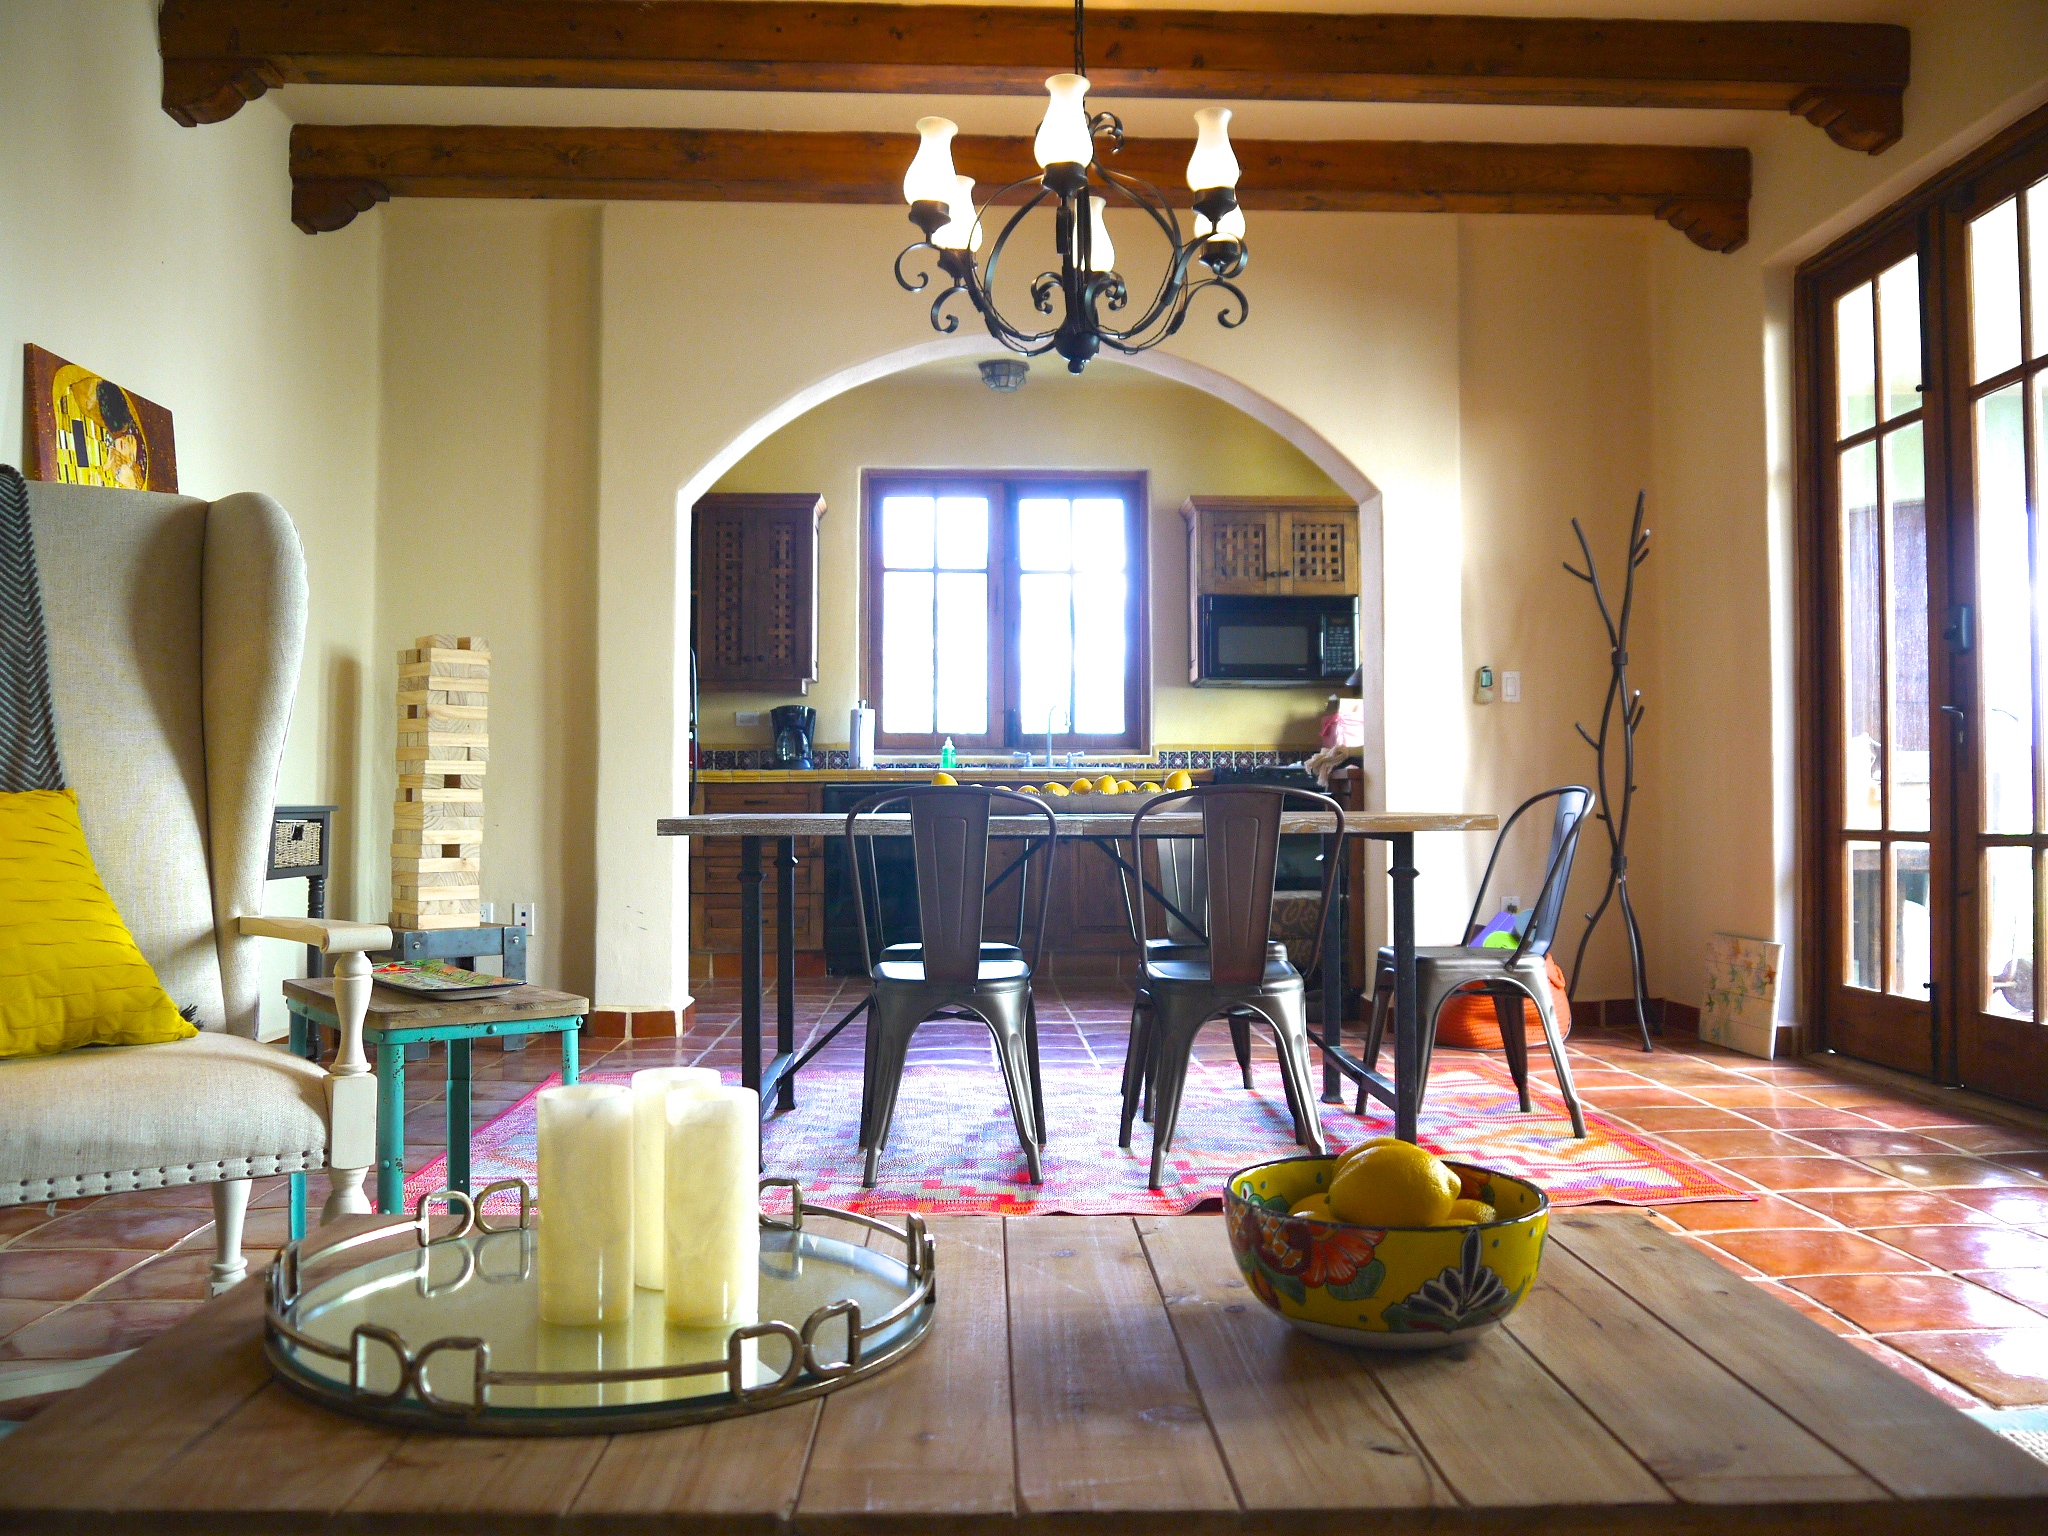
pixel 1718 851
pixel 487 521
pixel 1112 417
pixel 165 258
pixel 1555 404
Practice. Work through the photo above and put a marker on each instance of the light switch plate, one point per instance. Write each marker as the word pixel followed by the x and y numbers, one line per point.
pixel 1511 687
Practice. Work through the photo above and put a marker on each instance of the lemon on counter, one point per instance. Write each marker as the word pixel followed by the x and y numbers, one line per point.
pixel 1126 787
pixel 1316 1207
pixel 1470 1213
pixel 1149 787
pixel 1179 779
pixel 944 778
pixel 1056 789
pixel 1084 787
pixel 1395 1184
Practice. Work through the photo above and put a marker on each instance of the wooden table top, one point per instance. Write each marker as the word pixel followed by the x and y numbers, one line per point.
pixel 393 1009
pixel 1083 1369
pixel 1068 823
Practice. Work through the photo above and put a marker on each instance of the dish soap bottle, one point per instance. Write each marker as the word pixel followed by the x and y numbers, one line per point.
pixel 947 759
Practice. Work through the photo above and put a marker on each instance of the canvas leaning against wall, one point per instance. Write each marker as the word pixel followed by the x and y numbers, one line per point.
pixel 1741 1010
pixel 82 429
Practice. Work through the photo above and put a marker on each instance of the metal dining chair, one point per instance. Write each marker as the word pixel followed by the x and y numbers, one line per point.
pixel 952 972
pixel 1181 881
pixel 1237 973
pixel 1508 975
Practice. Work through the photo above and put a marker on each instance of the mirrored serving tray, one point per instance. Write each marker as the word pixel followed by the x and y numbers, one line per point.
pixel 434 1323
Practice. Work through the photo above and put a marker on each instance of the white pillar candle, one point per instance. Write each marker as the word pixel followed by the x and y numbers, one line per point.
pixel 650 1156
pixel 713 1271
pixel 586 1203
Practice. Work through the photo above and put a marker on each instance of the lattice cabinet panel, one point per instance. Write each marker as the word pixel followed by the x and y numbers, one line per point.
pixel 1322 543
pixel 754 589
pixel 1272 545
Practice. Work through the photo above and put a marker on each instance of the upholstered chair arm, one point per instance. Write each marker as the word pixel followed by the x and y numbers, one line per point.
pixel 351 1090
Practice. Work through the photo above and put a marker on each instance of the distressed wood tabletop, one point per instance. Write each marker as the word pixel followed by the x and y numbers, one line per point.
pixel 1111 1374
pixel 1068 823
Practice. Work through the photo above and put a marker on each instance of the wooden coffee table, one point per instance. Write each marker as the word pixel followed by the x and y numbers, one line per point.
pixel 1082 1370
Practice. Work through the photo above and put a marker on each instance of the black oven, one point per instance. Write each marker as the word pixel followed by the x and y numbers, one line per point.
pixel 1276 642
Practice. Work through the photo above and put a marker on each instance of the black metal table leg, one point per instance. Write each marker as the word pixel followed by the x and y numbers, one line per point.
pixel 750 963
pixel 1407 1031
pixel 785 968
pixel 1333 977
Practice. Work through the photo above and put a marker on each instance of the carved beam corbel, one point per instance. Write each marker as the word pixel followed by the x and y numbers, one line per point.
pixel 324 203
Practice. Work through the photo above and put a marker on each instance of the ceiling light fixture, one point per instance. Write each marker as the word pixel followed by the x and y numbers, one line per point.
pixel 942 206
pixel 1004 375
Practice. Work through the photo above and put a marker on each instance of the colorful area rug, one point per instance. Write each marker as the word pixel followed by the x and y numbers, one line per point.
pixel 953 1149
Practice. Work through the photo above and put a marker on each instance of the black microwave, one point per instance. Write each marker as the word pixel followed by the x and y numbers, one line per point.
pixel 1275 642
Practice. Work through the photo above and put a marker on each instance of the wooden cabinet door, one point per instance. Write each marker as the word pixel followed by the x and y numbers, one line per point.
pixel 1236 546
pixel 1319 541
pixel 754 572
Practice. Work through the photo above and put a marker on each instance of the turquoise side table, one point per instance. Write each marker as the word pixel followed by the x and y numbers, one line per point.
pixel 398 1019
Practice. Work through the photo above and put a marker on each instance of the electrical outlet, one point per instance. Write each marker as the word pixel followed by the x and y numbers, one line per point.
pixel 746 717
pixel 522 916
pixel 487 912
pixel 1511 687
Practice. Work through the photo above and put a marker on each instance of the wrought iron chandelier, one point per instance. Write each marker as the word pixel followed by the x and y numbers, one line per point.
pixel 1087 282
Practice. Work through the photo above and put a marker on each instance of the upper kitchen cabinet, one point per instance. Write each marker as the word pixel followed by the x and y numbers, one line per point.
pixel 754 586
pixel 1303 546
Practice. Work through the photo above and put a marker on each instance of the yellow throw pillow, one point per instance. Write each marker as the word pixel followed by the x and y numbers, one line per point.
pixel 70 972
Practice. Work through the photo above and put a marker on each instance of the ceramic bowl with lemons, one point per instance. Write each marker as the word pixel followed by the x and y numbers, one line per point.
pixel 1449 1251
pixel 1109 793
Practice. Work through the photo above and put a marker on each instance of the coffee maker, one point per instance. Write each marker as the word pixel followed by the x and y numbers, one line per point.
pixel 795 725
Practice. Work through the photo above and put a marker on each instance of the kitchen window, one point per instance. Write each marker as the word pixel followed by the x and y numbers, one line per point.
pixel 1000 608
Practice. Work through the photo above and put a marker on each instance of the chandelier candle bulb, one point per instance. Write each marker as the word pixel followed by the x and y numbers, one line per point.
pixel 931 178
pixel 585 1162
pixel 651 1088
pixel 713 1269
pixel 1212 164
pixel 1101 250
pixel 1063 138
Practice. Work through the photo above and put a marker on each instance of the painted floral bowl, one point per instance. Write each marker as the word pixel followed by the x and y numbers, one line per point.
pixel 1392 1288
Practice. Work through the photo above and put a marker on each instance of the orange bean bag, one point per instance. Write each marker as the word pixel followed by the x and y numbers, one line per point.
pixel 1468 1019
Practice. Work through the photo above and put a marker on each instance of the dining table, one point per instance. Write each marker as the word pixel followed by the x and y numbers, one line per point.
pixel 776 1081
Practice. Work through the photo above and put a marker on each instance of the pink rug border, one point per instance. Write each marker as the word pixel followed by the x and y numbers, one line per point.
pixel 1714 1190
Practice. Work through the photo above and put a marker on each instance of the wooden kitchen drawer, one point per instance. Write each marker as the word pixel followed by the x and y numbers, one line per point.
pixel 715 867
pixel 756 797
pixel 715 923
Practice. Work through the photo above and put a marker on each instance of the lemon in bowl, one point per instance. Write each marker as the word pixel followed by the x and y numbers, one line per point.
pixel 1386 1285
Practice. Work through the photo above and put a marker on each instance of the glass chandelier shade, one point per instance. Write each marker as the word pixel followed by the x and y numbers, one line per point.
pixel 1229 227
pixel 1101 251
pixel 1063 138
pixel 930 178
pixel 1212 164
pixel 962 231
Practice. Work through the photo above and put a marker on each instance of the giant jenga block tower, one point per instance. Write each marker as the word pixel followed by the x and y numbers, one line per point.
pixel 437 834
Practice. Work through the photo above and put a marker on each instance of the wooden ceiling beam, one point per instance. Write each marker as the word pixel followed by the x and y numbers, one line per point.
pixel 1846 78
pixel 338 172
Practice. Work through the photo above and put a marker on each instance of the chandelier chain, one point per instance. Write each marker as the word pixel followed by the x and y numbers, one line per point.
pixel 1080 39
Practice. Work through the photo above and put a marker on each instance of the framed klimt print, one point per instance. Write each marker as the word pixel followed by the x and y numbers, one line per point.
pixel 82 429
pixel 1741 1009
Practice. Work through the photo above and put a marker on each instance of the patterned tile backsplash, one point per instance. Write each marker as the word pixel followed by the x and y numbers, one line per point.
pixel 827 759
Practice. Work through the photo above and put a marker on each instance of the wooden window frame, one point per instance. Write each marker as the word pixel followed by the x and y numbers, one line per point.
pixel 1931 221
pixel 1005 487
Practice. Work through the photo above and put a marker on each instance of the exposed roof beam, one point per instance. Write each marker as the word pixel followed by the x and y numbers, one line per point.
pixel 339 171
pixel 1848 78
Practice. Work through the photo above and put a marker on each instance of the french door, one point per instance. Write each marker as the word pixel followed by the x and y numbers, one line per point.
pixel 1926 414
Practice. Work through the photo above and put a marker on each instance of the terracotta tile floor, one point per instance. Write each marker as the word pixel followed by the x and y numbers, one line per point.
pixel 1918 1231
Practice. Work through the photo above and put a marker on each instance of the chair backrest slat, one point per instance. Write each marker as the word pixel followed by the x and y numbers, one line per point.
pixel 1574 802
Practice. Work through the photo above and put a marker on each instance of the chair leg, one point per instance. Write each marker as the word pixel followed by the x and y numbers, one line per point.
pixel 1241 1042
pixel 230 1206
pixel 1013 1051
pixel 1376 1029
pixel 1290 1033
pixel 1514 1035
pixel 1137 1066
pixel 890 1044
pixel 1546 1013
pixel 1031 1049
pixel 1170 1056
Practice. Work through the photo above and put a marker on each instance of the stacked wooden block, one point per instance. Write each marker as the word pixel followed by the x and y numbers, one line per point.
pixel 444 695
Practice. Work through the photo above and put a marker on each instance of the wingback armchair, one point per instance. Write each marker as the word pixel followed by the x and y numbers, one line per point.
pixel 176 628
